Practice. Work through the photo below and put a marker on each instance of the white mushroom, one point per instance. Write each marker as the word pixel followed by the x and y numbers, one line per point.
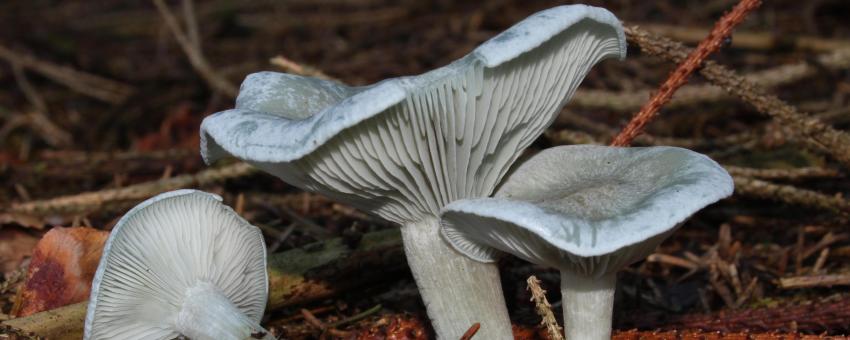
pixel 405 147
pixel 180 263
pixel 588 211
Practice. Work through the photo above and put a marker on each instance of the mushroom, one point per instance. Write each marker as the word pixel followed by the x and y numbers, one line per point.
pixel 180 263
pixel 588 211
pixel 405 147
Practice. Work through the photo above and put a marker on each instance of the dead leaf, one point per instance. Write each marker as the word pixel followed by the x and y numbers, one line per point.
pixel 61 270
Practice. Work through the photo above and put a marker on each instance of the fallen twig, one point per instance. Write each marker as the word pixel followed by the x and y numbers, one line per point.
pixel 92 201
pixel 356 317
pixel 785 174
pixel 290 66
pixel 809 281
pixel 790 194
pixel 695 94
pixel 193 52
pixel 753 40
pixel 471 331
pixel 567 136
pixel 74 157
pixel 820 135
pixel 712 43
pixel 48 131
pixel 88 84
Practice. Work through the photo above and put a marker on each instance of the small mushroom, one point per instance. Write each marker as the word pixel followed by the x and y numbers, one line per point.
pixel 588 211
pixel 180 263
pixel 405 147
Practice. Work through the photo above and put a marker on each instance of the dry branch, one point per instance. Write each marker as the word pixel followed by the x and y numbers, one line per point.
pixel 48 131
pixel 567 136
pixel 296 276
pixel 810 281
pixel 790 194
pixel 722 29
pixel 87 84
pixel 290 66
pixel 193 52
pixel 90 201
pixel 77 157
pixel 826 138
pixel 785 174
pixel 695 94
pixel 752 40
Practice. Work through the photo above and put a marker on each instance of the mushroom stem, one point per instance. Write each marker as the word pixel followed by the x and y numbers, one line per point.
pixel 457 291
pixel 588 304
pixel 207 314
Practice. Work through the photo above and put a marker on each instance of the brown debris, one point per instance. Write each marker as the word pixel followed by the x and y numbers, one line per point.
pixel 394 327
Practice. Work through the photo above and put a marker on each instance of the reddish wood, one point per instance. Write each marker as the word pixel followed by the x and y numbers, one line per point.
pixel 679 77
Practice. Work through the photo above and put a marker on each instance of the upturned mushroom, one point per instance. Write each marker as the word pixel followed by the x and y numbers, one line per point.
pixel 405 147
pixel 180 263
pixel 588 211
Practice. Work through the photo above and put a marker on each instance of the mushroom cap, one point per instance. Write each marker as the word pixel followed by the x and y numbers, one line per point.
pixel 405 147
pixel 164 246
pixel 591 209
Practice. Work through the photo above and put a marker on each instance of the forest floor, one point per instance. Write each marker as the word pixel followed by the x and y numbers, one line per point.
pixel 100 108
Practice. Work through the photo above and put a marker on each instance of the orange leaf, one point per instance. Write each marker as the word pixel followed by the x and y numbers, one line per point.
pixel 61 270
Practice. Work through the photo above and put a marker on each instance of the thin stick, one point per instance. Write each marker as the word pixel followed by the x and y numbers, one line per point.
pixel 678 78
pixel 707 93
pixel 471 331
pixel 191 23
pixel 753 40
pixel 196 57
pixel 290 66
pixel 816 133
pixel 814 281
pixel 786 174
pixel 48 131
pixel 544 309
pixel 356 317
pixel 88 84
pixel 91 201
pixel 790 194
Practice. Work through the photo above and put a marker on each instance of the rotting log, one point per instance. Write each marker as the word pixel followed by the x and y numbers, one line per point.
pixel 313 272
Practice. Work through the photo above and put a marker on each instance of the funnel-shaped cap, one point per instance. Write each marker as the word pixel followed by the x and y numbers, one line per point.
pixel 588 209
pixel 405 147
